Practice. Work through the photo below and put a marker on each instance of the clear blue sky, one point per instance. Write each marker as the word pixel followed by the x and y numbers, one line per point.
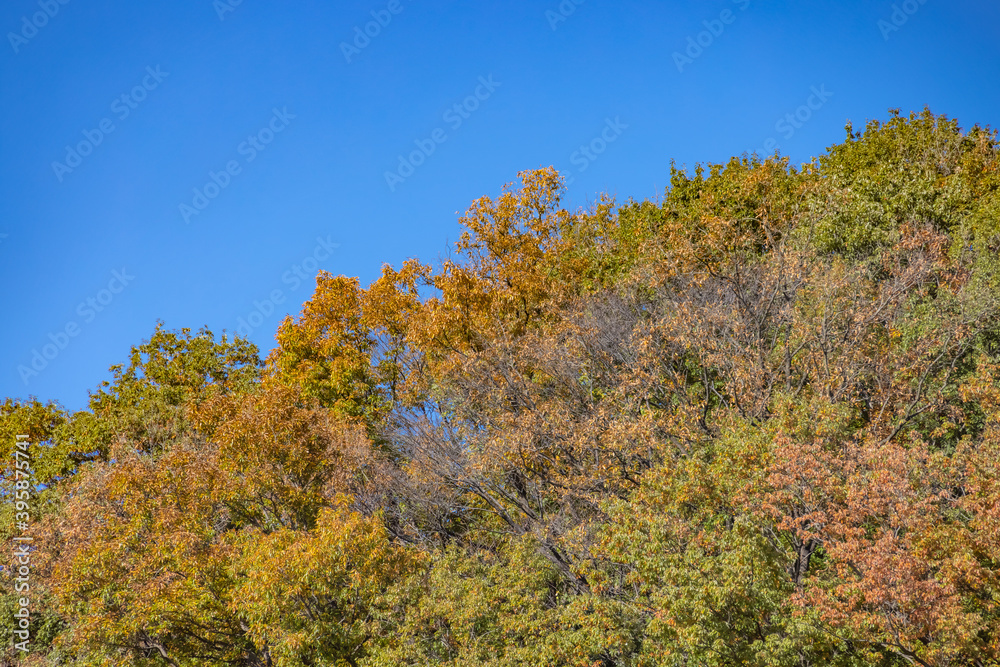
pixel 192 88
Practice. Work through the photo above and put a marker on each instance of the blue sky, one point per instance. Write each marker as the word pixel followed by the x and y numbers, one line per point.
pixel 197 161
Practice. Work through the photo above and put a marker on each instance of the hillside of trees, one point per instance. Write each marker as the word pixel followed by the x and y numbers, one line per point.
pixel 755 422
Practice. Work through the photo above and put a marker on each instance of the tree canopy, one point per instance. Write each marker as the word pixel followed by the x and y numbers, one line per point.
pixel 755 422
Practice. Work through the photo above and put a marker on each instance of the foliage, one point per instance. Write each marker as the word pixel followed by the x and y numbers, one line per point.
pixel 756 422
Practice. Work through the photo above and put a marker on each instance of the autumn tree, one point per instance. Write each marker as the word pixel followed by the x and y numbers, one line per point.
pixel 752 422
